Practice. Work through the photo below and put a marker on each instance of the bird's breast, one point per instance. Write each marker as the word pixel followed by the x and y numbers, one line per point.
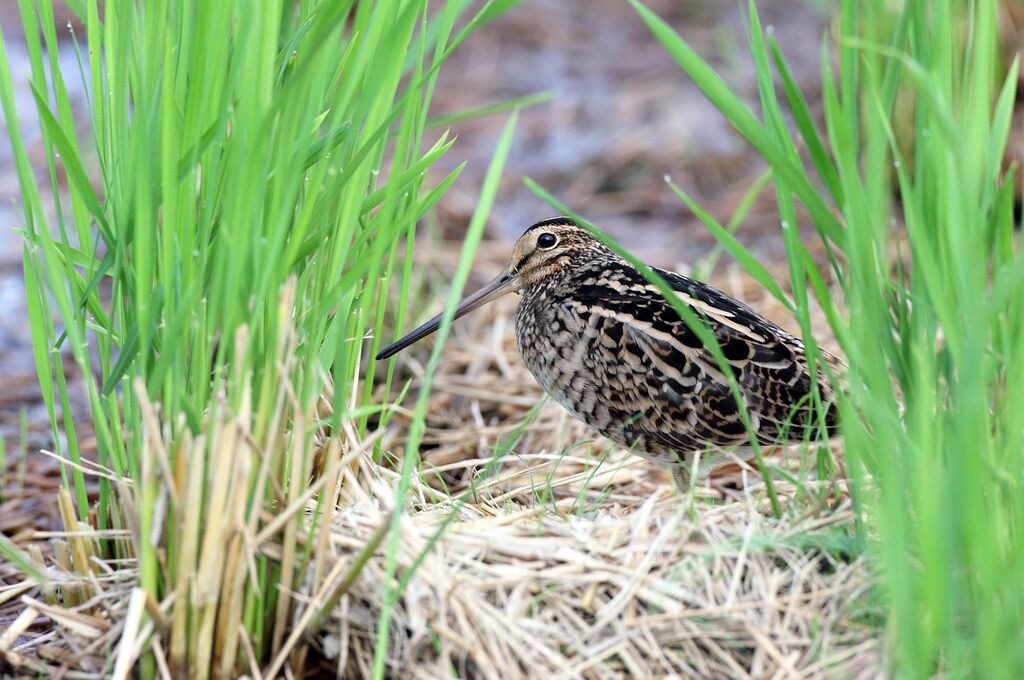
pixel 577 358
pixel 551 338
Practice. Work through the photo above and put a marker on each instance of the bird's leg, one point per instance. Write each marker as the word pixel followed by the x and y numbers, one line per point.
pixel 681 476
pixel 682 469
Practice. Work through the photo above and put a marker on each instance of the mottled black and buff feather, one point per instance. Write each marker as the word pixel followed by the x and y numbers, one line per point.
pixel 605 343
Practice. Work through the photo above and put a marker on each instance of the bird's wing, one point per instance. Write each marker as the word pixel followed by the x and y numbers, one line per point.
pixel 768 363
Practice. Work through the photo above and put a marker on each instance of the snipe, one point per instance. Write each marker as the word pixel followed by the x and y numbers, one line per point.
pixel 604 342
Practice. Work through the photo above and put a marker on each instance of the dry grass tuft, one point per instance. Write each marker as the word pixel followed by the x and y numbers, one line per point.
pixel 580 560
pixel 636 590
pixel 76 623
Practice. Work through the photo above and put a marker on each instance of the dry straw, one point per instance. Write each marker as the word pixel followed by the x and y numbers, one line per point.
pixel 636 589
pixel 581 561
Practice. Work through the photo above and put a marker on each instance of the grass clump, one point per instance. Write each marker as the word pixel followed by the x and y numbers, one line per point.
pixel 926 269
pixel 259 166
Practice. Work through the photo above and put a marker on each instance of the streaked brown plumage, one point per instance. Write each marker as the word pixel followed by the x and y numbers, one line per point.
pixel 604 343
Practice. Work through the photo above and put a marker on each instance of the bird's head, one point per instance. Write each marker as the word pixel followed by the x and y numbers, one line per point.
pixel 545 250
pixel 549 248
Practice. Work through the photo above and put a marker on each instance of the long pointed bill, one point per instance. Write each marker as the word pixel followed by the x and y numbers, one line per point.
pixel 501 284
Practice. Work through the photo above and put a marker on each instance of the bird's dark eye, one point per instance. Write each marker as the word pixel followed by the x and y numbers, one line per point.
pixel 547 240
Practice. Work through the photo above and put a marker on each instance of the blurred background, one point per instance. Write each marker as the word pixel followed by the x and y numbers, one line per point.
pixel 622 116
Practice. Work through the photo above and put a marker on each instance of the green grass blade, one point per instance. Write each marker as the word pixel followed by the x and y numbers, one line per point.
pixel 410 462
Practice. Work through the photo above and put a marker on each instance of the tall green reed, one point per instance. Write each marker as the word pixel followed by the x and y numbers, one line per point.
pixel 917 222
pixel 213 253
